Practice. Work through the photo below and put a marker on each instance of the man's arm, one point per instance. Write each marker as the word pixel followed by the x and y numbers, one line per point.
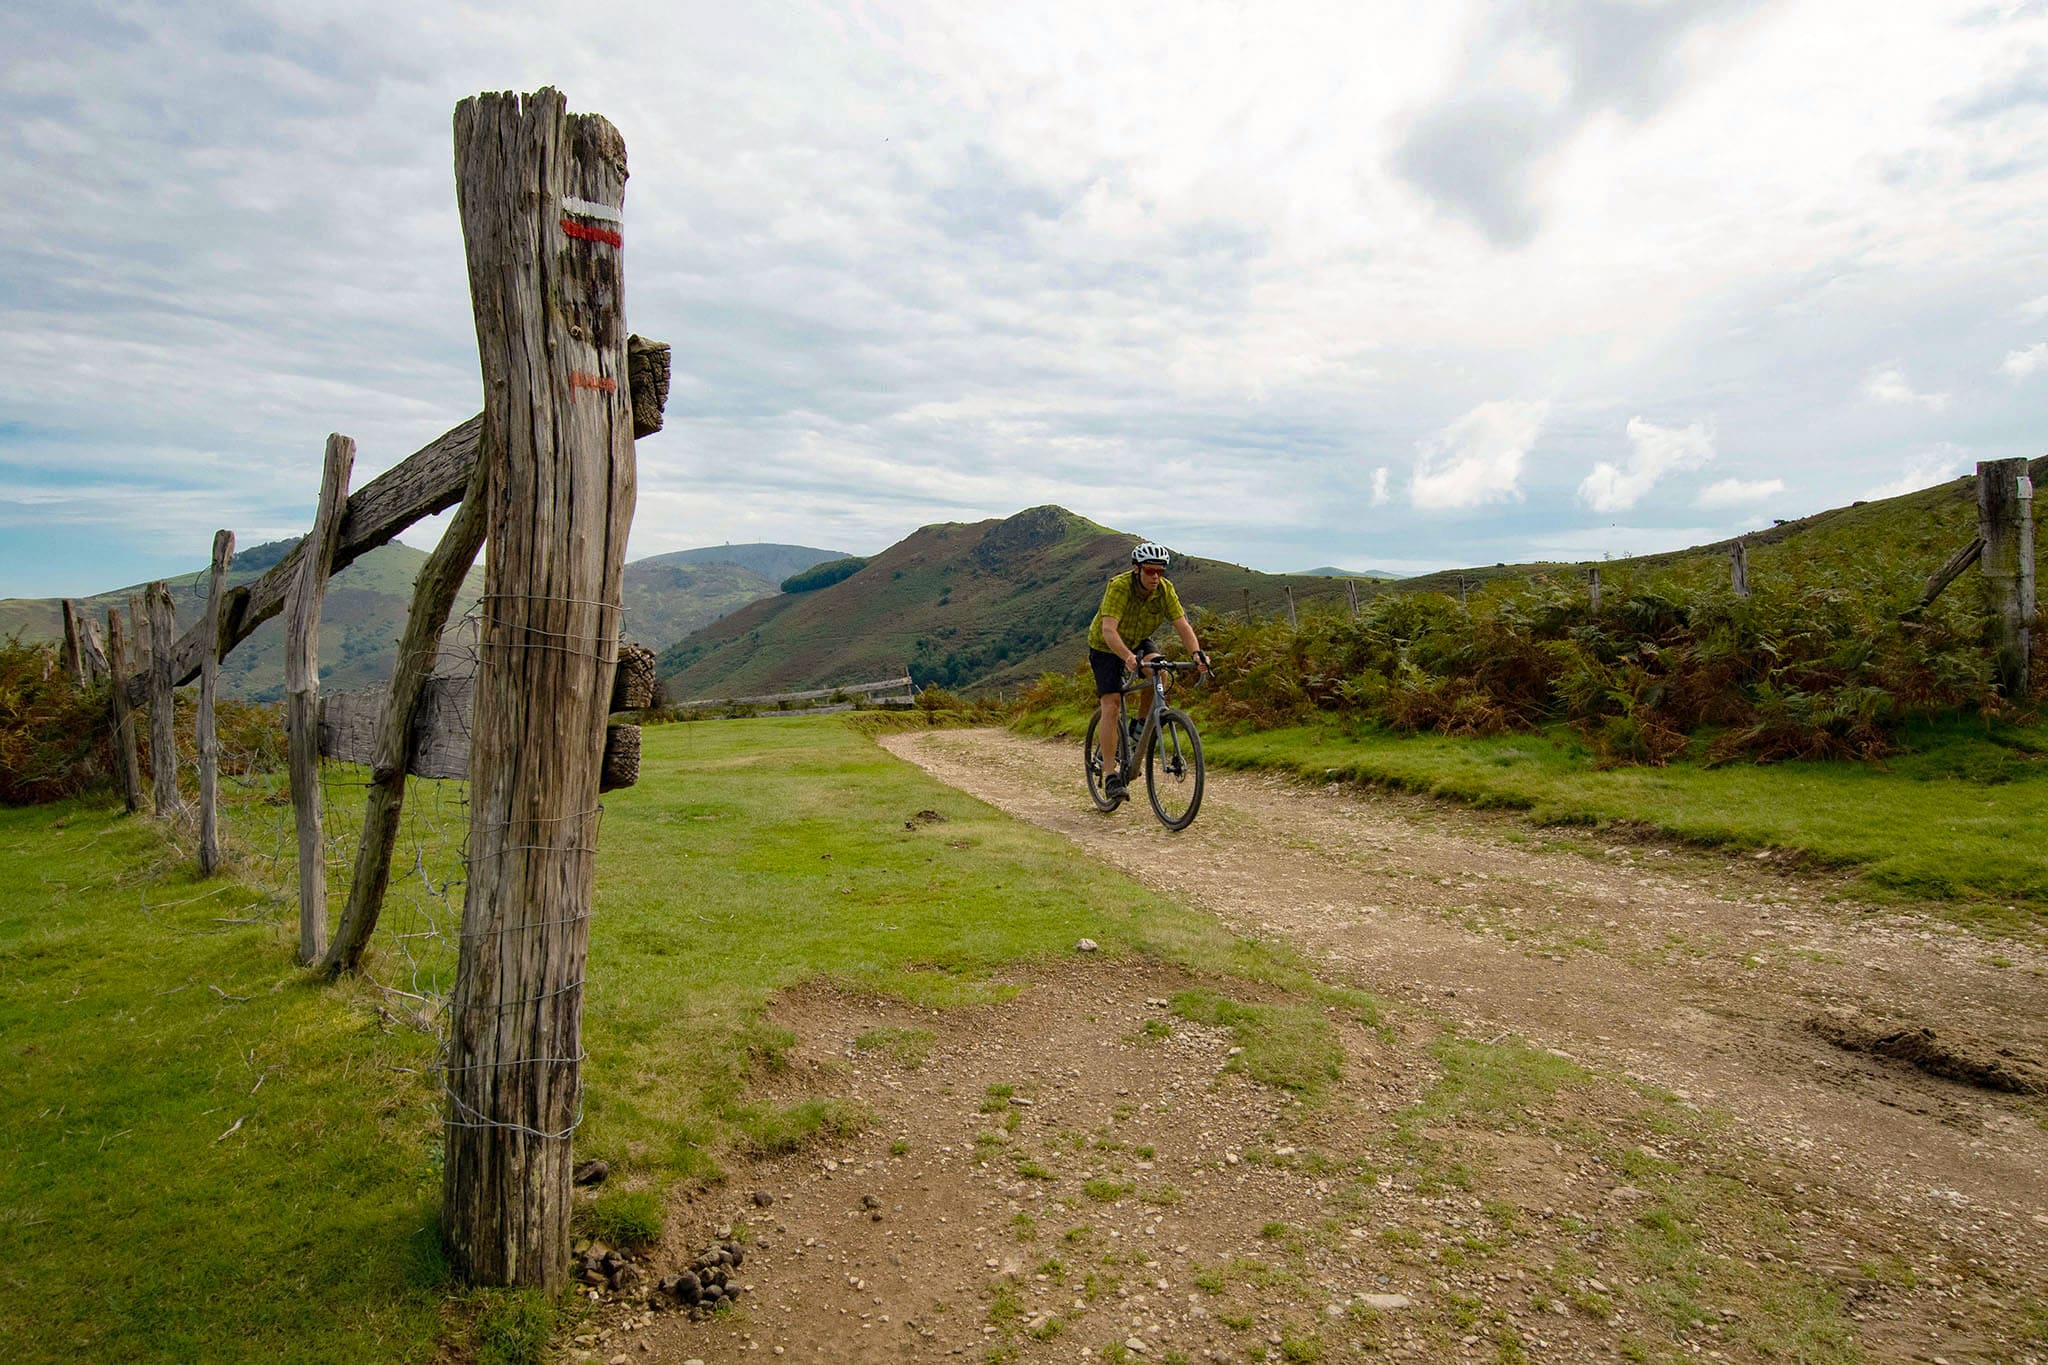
pixel 1116 643
pixel 1187 637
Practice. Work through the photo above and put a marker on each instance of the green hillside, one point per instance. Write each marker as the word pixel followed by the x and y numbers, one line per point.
pixel 772 562
pixel 984 604
pixel 360 620
pixel 667 597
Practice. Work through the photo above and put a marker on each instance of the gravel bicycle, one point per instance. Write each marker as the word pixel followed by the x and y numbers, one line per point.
pixel 1169 742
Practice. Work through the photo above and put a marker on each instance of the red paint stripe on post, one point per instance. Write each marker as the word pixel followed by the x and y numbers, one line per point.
pixel 585 232
pixel 580 380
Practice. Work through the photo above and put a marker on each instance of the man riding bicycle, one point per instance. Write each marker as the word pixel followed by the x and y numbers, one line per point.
pixel 1134 605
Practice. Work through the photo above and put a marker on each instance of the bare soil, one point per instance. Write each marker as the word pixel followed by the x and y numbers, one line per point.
pixel 1626 1100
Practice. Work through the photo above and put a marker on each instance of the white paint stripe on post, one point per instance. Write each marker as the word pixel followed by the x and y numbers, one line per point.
pixel 584 208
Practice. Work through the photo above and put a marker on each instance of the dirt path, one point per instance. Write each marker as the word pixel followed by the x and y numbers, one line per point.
pixel 1083 1174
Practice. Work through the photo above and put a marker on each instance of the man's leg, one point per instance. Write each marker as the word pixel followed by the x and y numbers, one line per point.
pixel 1105 733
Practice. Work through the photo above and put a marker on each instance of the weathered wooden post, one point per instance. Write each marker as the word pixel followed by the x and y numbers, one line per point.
pixel 1738 566
pixel 540 193
pixel 125 760
pixel 1593 589
pixel 1351 591
pixel 208 735
pixel 434 592
pixel 163 734
pixel 96 666
pixel 302 693
pixel 74 651
pixel 1247 605
pixel 1292 624
pixel 2006 578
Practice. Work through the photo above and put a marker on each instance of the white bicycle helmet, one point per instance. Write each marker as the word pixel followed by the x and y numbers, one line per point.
pixel 1151 552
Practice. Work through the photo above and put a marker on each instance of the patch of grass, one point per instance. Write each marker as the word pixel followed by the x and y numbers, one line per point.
pixel 1032 1169
pixel 907 1047
pixel 1103 1190
pixel 768 1131
pixel 1274 1231
pixel 1291 1046
pixel 626 1219
pixel 511 1327
pixel 1024 1227
pixel 1165 1196
pixel 997 1099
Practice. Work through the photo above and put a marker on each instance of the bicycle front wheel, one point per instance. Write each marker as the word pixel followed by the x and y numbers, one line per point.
pixel 1173 770
pixel 1091 762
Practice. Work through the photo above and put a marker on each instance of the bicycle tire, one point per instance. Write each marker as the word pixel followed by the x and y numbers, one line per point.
pixel 1173 770
pixel 1091 767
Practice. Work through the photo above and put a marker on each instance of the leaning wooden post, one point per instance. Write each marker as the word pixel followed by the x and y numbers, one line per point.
pixel 1999 506
pixel 1351 591
pixel 96 666
pixel 208 735
pixel 163 734
pixel 540 193
pixel 125 761
pixel 1593 589
pixel 74 649
pixel 302 693
pixel 1291 622
pixel 1738 567
pixel 433 597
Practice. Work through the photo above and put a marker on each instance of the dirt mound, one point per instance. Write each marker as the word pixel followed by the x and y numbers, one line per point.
pixel 1957 1056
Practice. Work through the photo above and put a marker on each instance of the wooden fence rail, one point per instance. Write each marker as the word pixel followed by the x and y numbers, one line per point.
pixel 902 684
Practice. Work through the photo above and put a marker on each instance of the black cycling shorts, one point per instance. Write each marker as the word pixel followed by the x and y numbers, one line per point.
pixel 1109 672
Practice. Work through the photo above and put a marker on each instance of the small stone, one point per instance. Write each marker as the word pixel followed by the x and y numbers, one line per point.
pixel 620 1359
pixel 592 1172
pixel 762 1199
pixel 868 1201
pixel 1135 1344
pixel 1086 945
pixel 1386 1303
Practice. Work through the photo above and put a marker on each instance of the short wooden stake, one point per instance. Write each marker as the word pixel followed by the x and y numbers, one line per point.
pixel 74 651
pixel 2007 573
pixel 208 734
pixel 302 693
pixel 163 732
pixel 125 761
pixel 96 665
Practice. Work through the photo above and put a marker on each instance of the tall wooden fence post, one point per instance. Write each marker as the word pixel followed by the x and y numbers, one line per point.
pixel 1351 591
pixel 540 193
pixel 208 734
pixel 163 732
pixel 96 666
pixel 125 761
pixel 1738 567
pixel 302 693
pixel 1291 622
pixel 2006 572
pixel 1593 589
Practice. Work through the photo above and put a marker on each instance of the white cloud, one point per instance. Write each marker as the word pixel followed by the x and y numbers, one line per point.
pixel 1939 465
pixel 1478 458
pixel 1379 487
pixel 2025 364
pixel 1888 384
pixel 1736 492
pixel 1654 451
pixel 2033 310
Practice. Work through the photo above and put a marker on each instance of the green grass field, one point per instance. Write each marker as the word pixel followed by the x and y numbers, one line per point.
pixel 214 1158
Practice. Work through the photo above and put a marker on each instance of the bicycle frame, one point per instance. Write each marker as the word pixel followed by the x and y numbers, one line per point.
pixel 1156 684
pixel 1166 748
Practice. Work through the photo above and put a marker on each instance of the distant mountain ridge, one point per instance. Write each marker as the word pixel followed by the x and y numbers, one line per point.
pixel 1383 575
pixel 983 604
pixel 665 596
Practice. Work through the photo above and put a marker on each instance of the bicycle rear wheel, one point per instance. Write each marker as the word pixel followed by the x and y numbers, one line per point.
pixel 1173 770
pixel 1091 761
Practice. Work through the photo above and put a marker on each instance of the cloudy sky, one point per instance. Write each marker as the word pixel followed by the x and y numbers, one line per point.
pixel 1369 284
